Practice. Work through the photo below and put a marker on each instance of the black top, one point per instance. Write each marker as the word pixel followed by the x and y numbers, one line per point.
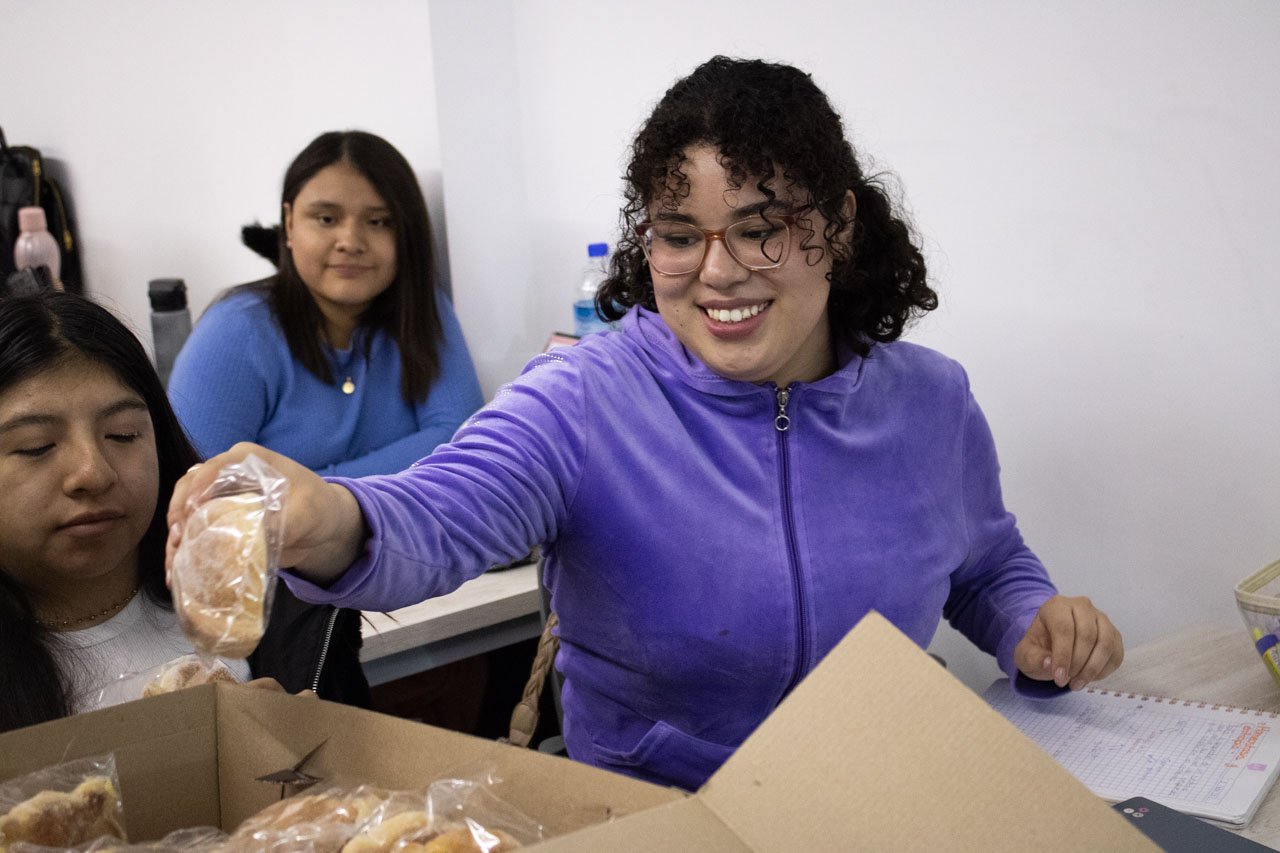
pixel 295 653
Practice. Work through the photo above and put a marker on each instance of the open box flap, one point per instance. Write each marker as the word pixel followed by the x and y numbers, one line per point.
pixel 881 748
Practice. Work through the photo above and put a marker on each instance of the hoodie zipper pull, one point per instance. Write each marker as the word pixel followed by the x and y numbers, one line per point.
pixel 781 421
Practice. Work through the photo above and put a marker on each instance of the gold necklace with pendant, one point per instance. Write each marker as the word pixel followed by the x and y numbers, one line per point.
pixel 348 385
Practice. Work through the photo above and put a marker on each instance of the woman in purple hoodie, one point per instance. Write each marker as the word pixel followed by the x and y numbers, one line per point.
pixel 727 484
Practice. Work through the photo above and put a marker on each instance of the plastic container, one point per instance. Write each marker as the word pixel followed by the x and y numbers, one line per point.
pixel 35 246
pixel 170 322
pixel 585 318
pixel 1258 597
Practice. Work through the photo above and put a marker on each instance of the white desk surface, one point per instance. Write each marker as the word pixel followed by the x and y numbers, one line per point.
pixel 488 612
pixel 1216 663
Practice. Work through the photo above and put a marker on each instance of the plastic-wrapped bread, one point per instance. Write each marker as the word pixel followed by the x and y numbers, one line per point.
pixel 186 671
pixel 326 821
pixel 466 840
pixel 221 574
pixel 65 818
pixel 383 837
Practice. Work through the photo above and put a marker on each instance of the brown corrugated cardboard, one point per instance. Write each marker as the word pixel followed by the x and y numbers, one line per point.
pixel 879 749
pixel 191 758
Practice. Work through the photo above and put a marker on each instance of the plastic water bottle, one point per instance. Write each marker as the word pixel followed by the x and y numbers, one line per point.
pixel 170 322
pixel 35 246
pixel 585 318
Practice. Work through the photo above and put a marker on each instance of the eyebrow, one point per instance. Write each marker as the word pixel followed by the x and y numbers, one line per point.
pixel 738 212
pixel 333 205
pixel 48 420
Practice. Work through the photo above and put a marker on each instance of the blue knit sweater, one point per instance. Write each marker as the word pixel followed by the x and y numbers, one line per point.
pixel 235 380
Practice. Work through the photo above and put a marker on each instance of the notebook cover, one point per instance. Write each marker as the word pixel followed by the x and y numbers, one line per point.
pixel 1180 833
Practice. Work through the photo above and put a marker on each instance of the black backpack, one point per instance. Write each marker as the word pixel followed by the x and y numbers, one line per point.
pixel 24 183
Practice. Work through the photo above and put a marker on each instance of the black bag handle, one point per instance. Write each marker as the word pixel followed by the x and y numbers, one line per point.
pixel 4 146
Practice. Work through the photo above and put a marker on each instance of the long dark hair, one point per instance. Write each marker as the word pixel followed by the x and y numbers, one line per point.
pixel 407 309
pixel 766 118
pixel 39 332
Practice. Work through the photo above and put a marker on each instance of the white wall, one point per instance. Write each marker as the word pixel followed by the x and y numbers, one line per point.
pixel 175 122
pixel 1096 185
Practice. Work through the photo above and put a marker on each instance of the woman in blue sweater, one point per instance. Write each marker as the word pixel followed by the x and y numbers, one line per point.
pixel 350 358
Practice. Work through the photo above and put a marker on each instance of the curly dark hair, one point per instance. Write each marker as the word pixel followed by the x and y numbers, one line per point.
pixel 769 119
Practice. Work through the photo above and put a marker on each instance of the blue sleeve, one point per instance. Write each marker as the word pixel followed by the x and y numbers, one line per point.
pixel 502 485
pixel 218 387
pixel 1001 584
pixel 453 398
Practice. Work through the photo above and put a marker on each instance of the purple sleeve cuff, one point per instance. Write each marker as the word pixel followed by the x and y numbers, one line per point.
pixel 338 593
pixel 347 590
pixel 1022 685
pixel 1032 688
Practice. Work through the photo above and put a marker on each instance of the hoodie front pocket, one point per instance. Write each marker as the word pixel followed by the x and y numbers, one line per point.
pixel 667 756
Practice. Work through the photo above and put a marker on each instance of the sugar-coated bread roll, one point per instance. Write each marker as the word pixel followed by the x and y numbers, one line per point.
pixel 65 819
pixel 313 813
pixel 463 840
pixel 220 576
pixel 186 672
pixel 383 837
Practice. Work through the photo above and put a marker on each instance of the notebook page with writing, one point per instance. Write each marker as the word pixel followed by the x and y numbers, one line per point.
pixel 1212 761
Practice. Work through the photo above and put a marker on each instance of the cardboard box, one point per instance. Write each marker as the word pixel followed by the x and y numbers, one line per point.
pixel 879 749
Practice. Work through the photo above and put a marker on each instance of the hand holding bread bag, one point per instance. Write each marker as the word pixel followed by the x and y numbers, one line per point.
pixel 224 569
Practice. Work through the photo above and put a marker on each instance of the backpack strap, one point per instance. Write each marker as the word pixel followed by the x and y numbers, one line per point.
pixel 524 719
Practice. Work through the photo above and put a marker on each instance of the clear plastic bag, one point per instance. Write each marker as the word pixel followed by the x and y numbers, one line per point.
pixel 456 815
pixel 63 806
pixel 451 816
pixel 1258 597
pixel 205 839
pixel 179 673
pixel 314 823
pixel 403 814
pixel 224 571
pixel 467 807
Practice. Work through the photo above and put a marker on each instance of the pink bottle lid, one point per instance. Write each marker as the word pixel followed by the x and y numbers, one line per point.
pixel 32 219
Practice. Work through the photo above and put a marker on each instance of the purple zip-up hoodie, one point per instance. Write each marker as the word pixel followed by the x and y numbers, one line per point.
pixel 707 541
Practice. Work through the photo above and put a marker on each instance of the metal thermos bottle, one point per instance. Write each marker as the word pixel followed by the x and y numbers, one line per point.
pixel 170 322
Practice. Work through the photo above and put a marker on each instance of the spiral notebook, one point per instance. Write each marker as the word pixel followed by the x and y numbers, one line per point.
pixel 1212 761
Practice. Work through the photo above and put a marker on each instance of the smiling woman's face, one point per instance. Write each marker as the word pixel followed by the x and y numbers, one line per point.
pixel 781 333
pixel 79 477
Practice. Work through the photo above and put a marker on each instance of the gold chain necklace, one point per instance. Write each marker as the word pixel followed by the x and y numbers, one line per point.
pixel 59 624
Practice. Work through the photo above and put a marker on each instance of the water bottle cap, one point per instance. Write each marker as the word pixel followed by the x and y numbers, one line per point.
pixel 594 250
pixel 167 294
pixel 32 219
